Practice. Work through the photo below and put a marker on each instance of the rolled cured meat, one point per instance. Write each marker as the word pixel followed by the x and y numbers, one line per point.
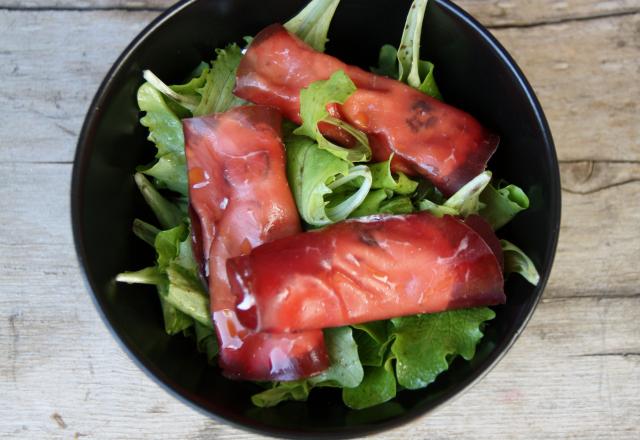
pixel 446 145
pixel 363 270
pixel 239 199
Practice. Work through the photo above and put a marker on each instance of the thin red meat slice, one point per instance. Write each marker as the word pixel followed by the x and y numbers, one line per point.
pixel 240 199
pixel 484 230
pixel 428 137
pixel 364 270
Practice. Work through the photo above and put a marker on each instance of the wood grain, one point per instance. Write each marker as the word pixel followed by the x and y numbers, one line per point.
pixel 581 72
pixel 50 74
pixel 488 12
pixel 574 373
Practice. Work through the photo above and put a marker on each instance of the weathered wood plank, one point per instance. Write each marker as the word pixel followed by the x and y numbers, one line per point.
pixel 583 83
pixel 582 73
pixel 50 74
pixel 158 5
pixel 490 13
pixel 522 12
pixel 587 177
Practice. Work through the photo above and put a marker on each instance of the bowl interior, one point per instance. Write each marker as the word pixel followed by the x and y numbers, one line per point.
pixel 473 73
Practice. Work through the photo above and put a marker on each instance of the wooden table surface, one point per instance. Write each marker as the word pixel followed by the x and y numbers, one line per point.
pixel 574 373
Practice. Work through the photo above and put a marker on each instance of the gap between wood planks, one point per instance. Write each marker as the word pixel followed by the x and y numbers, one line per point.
pixel 547 22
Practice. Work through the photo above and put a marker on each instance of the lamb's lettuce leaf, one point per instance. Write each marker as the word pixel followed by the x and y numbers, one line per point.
pixel 312 23
pixel 313 110
pixel 515 260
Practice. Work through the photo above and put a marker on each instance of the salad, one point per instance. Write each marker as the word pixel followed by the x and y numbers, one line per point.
pixel 319 225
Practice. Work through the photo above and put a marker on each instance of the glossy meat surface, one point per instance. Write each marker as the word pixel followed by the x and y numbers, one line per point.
pixel 239 199
pixel 428 137
pixel 364 270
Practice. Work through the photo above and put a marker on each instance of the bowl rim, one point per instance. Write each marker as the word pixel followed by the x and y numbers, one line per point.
pixel 78 177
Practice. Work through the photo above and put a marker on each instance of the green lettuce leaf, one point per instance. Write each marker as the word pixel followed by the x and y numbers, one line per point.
pixel 424 345
pixel 384 178
pixel 169 171
pixel 409 53
pixel 312 23
pixel 378 386
pixel 435 209
pixel 502 203
pixel 187 294
pixel 176 276
pixel 387 62
pixel 145 231
pixel 187 98
pixel 465 202
pixel 165 131
pixel 217 91
pixel 209 91
pixel 405 64
pixel 345 371
pixel 372 339
pixel 515 260
pixel 428 84
pixel 371 203
pixel 415 72
pixel 314 174
pixel 149 275
pixel 175 321
pixel 313 110
pixel 167 213
pixel 207 341
pixel 165 128
pixel 397 205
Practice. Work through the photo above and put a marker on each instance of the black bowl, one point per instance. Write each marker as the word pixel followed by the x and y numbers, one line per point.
pixel 473 71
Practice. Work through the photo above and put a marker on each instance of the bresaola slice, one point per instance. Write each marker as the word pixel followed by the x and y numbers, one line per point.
pixel 484 230
pixel 363 270
pixel 239 199
pixel 428 137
